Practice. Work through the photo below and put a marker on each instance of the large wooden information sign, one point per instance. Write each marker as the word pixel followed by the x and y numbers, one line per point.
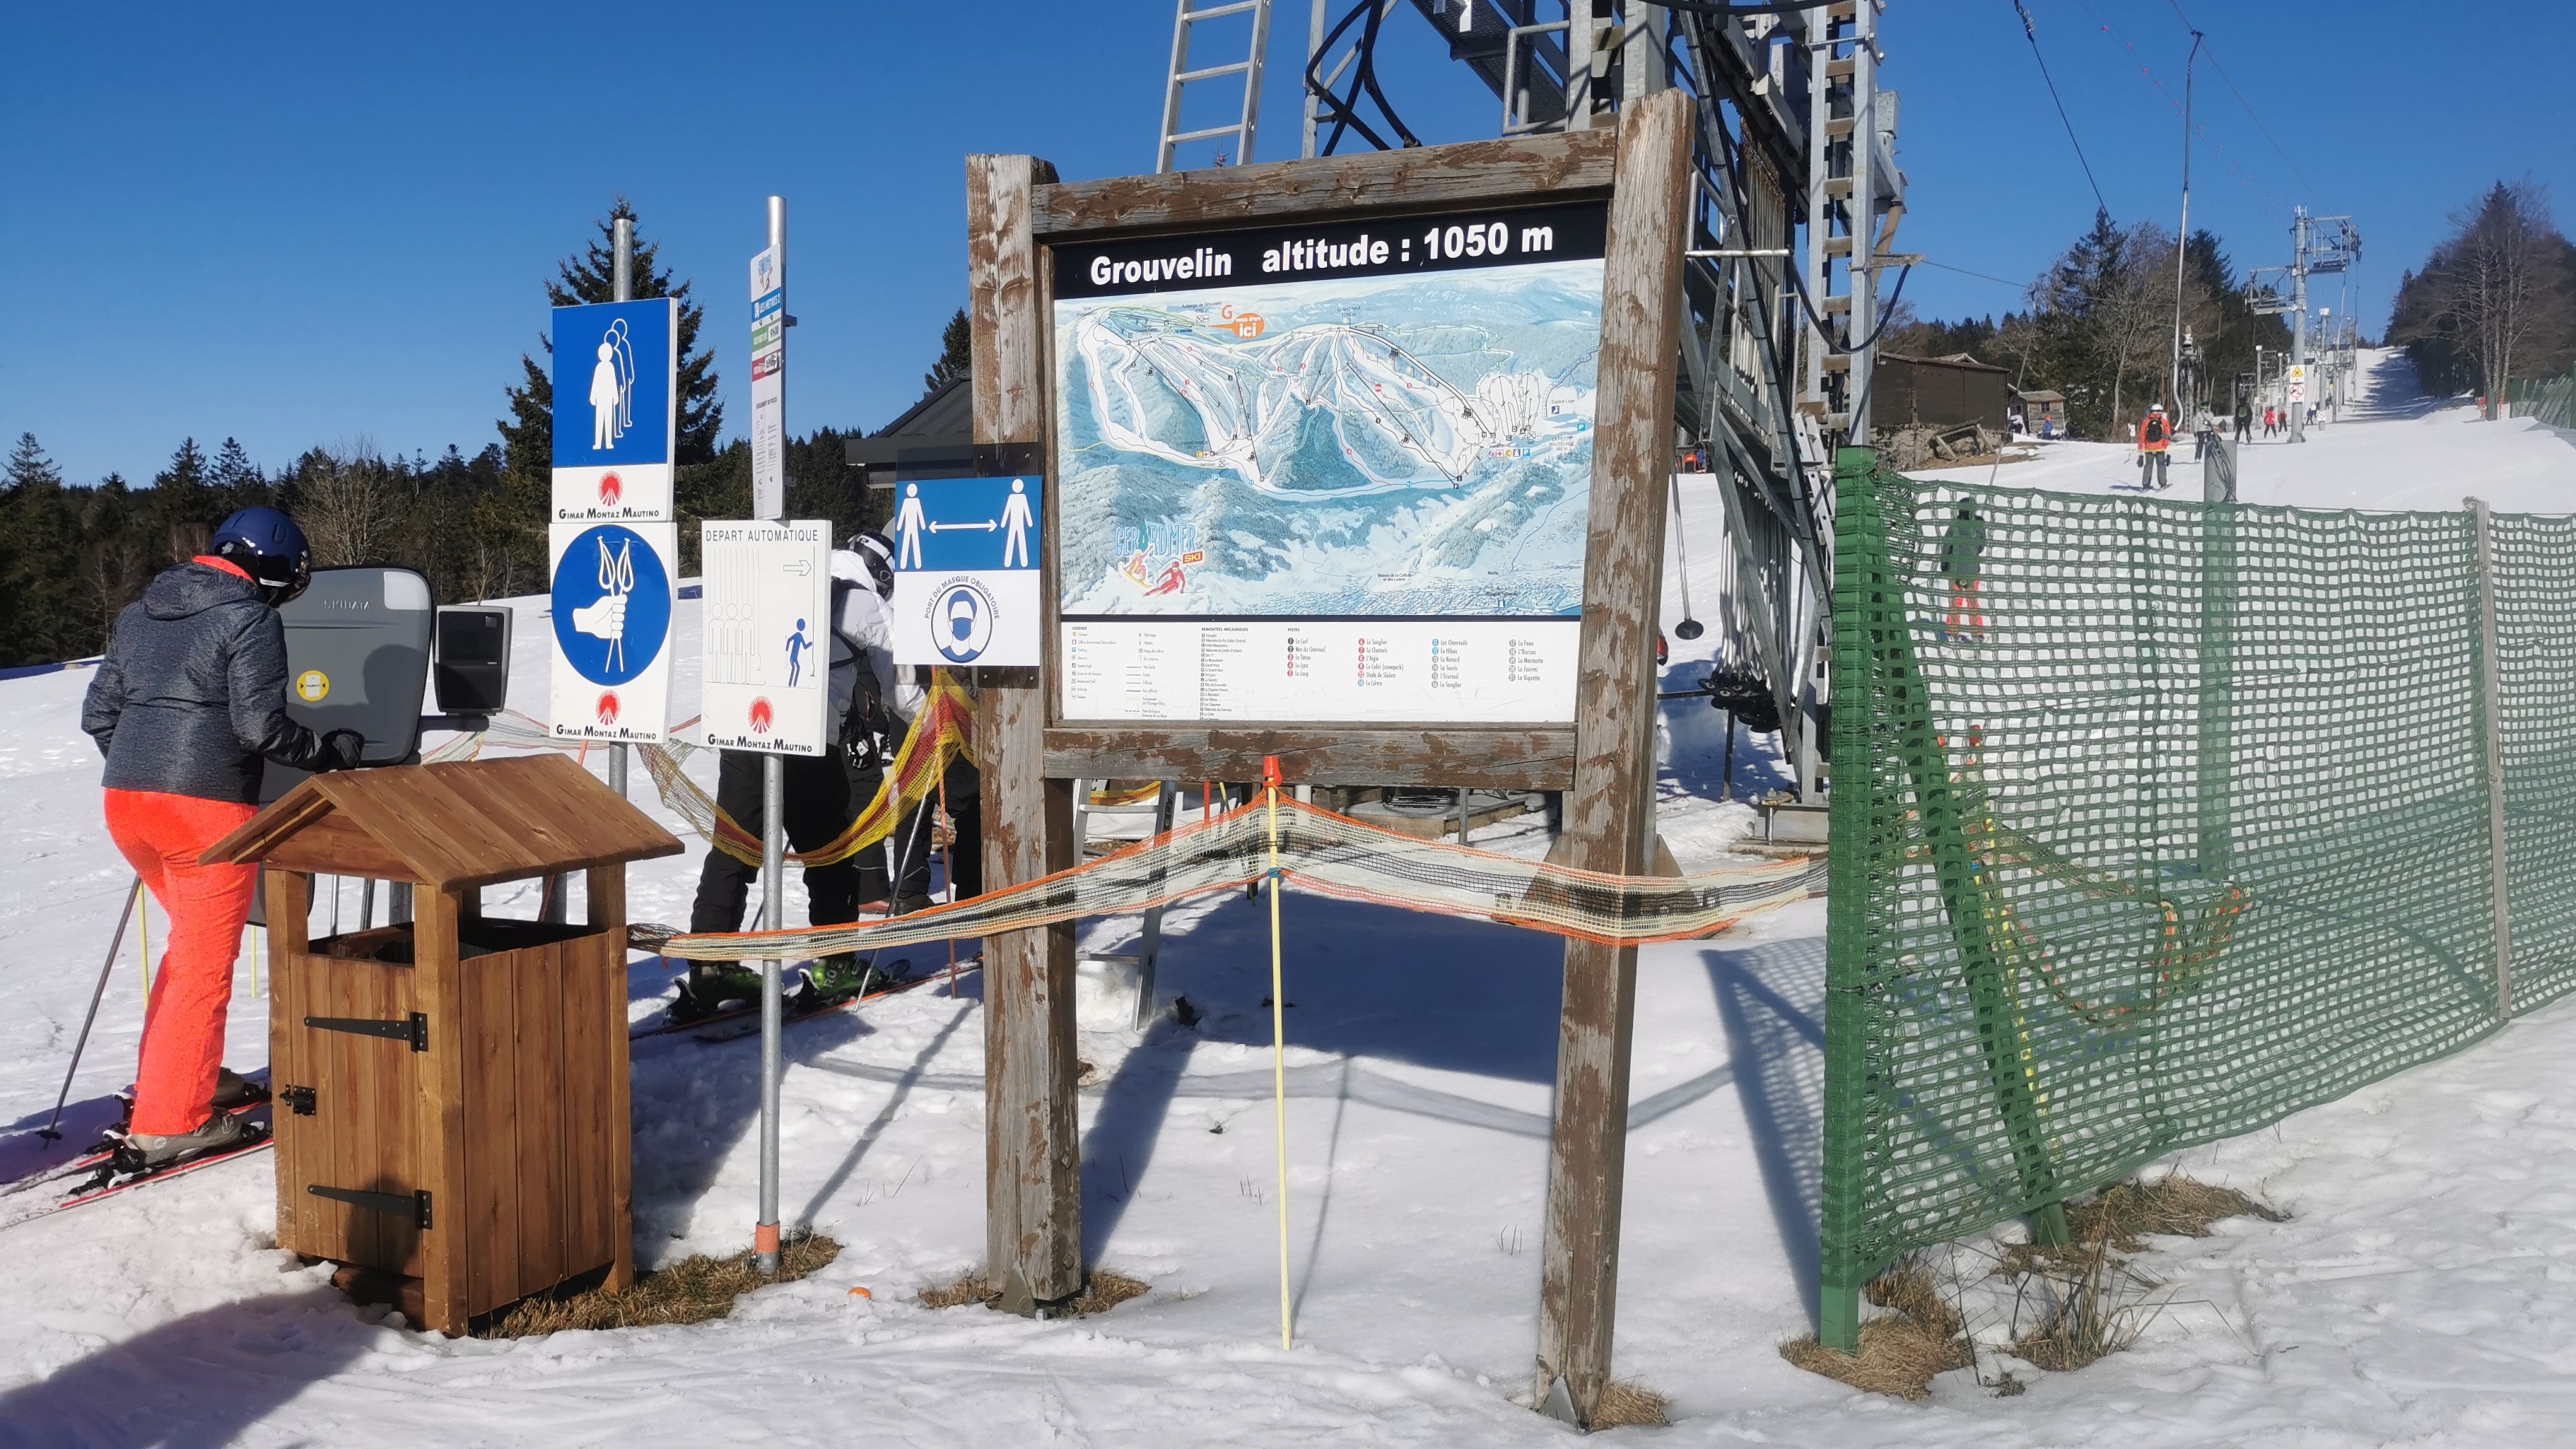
pixel 1358 462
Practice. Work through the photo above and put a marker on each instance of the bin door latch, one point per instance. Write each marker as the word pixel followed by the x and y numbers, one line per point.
pixel 412 1205
pixel 300 1099
pixel 413 1028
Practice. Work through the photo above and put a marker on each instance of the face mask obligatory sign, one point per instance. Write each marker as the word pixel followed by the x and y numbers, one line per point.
pixel 966 571
pixel 767 646
pixel 1329 473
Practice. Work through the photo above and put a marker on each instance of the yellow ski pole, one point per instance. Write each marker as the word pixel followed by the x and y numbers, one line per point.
pixel 1278 1042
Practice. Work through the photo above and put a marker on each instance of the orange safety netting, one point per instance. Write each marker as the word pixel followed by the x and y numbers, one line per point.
pixel 942 731
pixel 1326 854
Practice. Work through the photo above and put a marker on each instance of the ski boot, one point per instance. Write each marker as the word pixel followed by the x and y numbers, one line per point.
pixel 143 1152
pixel 710 985
pixel 233 1092
pixel 833 979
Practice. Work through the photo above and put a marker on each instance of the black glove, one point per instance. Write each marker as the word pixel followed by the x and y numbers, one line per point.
pixel 343 750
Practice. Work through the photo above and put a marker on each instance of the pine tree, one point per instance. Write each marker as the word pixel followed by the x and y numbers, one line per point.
pixel 956 354
pixel 236 477
pixel 181 514
pixel 527 434
pixel 34 601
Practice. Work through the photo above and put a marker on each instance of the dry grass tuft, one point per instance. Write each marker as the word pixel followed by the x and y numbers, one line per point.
pixel 969 1289
pixel 1104 1291
pixel 1626 1403
pixel 1900 1351
pixel 692 1290
pixel 2172 1206
pixel 2126 1213
pixel 2099 1307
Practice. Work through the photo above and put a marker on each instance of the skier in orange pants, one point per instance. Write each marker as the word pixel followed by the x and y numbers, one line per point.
pixel 188 702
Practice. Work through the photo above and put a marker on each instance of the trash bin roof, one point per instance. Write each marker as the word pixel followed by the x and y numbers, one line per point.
pixel 463 824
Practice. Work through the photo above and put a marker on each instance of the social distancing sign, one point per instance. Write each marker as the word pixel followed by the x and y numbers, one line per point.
pixel 766 635
pixel 966 556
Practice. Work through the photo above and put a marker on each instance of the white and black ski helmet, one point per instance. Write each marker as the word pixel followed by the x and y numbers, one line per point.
pixel 878 555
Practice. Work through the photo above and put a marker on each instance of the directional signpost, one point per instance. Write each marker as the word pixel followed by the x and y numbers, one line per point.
pixel 769 381
pixel 773 574
pixel 966 572
pixel 767 635
pixel 613 544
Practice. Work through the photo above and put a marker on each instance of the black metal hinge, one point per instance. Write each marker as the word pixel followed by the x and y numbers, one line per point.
pixel 299 1099
pixel 413 1029
pixel 414 1206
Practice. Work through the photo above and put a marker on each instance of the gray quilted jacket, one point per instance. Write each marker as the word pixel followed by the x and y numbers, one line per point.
pixel 192 694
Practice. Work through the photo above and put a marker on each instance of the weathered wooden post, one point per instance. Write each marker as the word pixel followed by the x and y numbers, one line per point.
pixel 1609 814
pixel 1032 1167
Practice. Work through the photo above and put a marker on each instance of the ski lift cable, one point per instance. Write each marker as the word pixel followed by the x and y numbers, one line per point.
pixel 2211 51
pixel 2031 30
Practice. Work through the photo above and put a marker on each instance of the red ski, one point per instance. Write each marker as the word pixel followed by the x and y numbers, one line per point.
pixel 108 1183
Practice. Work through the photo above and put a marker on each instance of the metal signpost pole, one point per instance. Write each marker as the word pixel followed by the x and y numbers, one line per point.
pixel 2182 238
pixel 773 853
pixel 621 289
pixel 2298 406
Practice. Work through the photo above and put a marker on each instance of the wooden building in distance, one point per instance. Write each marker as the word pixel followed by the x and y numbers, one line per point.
pixel 1940 393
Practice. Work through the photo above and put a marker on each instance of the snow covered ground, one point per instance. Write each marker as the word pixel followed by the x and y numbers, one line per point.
pixel 2423 1292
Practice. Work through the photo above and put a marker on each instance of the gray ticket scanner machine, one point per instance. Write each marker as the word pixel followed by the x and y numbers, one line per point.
pixel 357 658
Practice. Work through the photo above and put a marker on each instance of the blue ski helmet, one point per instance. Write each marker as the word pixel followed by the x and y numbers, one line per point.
pixel 266 545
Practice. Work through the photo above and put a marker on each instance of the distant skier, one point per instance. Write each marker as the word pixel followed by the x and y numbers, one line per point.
pixel 187 704
pixel 1963 563
pixel 2155 439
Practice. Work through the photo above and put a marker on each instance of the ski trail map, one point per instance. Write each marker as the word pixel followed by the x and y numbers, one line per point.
pixel 1328 473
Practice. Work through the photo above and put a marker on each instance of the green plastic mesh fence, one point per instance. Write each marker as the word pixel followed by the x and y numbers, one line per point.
pixel 2535 584
pixel 2154 822
pixel 2551 400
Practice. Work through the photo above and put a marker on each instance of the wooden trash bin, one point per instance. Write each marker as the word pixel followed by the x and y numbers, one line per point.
pixel 451 1093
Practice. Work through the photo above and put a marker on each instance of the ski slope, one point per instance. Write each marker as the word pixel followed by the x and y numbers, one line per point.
pixel 2423 1292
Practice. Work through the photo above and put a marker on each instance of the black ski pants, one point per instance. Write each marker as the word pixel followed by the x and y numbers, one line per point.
pixel 822 796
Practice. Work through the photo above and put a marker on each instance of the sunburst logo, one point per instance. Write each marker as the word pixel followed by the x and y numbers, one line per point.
pixel 608 708
pixel 611 489
pixel 761 716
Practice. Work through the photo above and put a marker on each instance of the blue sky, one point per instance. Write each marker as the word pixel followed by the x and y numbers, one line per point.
pixel 301 224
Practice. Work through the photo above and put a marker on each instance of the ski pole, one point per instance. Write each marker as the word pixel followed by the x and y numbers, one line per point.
pixel 949 857
pixel 143 963
pixel 53 1129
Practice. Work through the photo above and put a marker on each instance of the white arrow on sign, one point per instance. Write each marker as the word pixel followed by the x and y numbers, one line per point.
pixel 988 525
pixel 796 568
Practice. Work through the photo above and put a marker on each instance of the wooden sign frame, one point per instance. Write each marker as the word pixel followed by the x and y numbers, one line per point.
pixel 1017 212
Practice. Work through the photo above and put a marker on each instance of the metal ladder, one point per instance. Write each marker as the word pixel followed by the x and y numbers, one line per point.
pixel 1249 119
